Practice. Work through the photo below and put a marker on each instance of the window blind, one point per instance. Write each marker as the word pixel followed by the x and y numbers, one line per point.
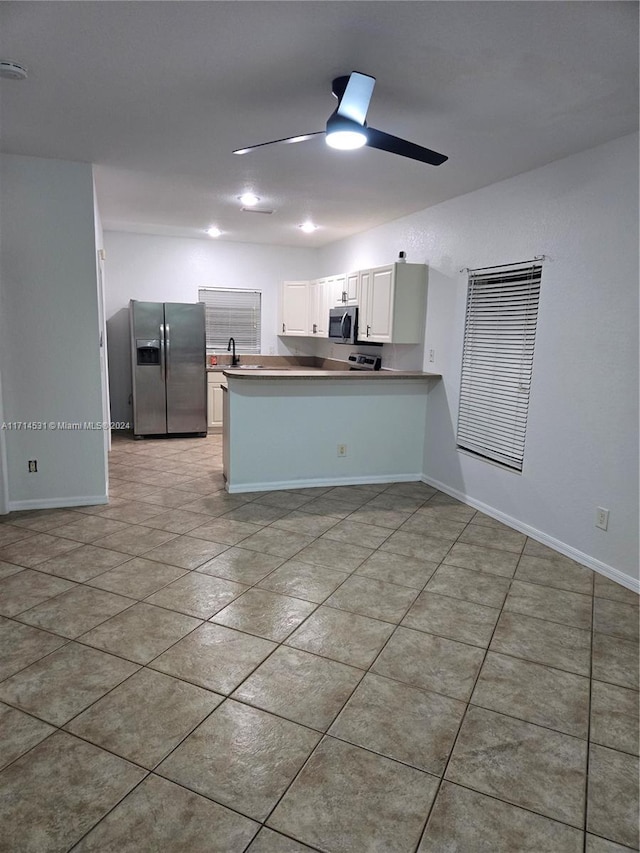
pixel 231 313
pixel 497 362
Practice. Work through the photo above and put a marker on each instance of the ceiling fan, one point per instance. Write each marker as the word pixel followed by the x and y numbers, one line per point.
pixel 347 128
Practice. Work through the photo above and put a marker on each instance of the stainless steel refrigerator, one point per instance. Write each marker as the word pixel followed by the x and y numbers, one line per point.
pixel 168 355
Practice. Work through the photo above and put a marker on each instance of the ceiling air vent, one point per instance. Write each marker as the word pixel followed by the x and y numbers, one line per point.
pixel 12 71
pixel 255 210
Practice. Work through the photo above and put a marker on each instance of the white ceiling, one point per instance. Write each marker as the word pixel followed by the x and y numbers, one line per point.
pixel 158 94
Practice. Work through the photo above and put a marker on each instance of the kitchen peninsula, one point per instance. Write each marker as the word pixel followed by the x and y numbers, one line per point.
pixel 311 426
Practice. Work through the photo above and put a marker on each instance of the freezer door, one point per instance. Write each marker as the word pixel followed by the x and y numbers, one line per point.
pixel 147 367
pixel 185 367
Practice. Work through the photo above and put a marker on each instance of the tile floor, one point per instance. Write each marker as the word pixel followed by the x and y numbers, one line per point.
pixel 365 669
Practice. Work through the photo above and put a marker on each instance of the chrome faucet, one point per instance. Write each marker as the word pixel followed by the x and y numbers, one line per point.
pixel 231 347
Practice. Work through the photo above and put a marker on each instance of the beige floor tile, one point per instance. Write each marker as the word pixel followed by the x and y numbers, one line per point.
pixel 439 528
pixel 342 636
pixel 87 528
pixel 302 687
pixel 140 633
pixel 415 545
pixel 61 685
pixel 430 663
pixel 7 569
pixel 241 565
pixel 137 578
pixel 279 543
pixel 42 520
pixel 23 590
pixel 464 820
pixel 369 597
pixel 36 549
pixel 306 523
pixel 568 576
pixel 330 506
pixel 454 618
pixel 237 743
pixel 389 518
pixel 162 497
pixel 52 817
pixel 83 563
pixel 160 815
pixel 19 733
pixel 175 520
pixel 396 502
pixel 10 533
pixel 395 568
pixel 265 614
pixel 411 489
pixel 490 537
pixel 197 595
pixel 268 841
pixel 554 605
pixel 606 588
pixel 214 657
pixel 356 533
pixel 334 555
pixel 616 618
pixel 549 643
pixel 612 809
pixel 283 499
pixel 615 660
pixel 146 717
pixel 348 799
pixel 526 765
pixel 414 726
pixel 225 530
pixel 537 694
pixel 596 844
pixel 133 512
pixel 452 511
pixel 303 580
pixel 216 505
pixel 136 540
pixel 186 552
pixel 256 513
pixel 482 559
pixel 76 611
pixel 615 717
pixel 21 645
pixel 477 587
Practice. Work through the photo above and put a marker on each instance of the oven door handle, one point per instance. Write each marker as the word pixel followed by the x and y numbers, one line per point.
pixel 344 317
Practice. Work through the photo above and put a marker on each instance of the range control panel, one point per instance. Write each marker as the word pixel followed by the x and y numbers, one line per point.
pixel 360 361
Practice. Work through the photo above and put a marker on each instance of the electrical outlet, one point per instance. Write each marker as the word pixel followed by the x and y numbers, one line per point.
pixel 432 355
pixel 33 466
pixel 342 450
pixel 602 518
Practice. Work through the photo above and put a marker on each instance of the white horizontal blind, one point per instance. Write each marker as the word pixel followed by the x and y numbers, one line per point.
pixel 497 362
pixel 232 314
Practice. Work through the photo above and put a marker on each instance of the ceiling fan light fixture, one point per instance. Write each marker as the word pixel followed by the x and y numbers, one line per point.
pixel 346 140
pixel 249 199
pixel 308 227
pixel 214 231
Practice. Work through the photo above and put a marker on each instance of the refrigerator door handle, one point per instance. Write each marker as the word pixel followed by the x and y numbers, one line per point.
pixel 162 353
pixel 167 345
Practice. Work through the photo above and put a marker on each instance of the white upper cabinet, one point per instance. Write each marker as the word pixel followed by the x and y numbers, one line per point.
pixel 294 308
pixel 318 323
pixel 392 302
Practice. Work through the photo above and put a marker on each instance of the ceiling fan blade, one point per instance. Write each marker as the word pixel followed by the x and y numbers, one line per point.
pixel 287 140
pixel 386 142
pixel 354 103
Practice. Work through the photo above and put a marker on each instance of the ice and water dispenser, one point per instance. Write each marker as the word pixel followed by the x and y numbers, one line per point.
pixel 147 352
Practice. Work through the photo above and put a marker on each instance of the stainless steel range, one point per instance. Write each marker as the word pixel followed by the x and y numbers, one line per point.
pixel 361 361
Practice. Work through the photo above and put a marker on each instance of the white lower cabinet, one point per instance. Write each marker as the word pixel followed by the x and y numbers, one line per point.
pixel 215 381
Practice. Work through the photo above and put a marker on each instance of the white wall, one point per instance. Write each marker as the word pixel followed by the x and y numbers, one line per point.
pixel 171 269
pixel 582 439
pixel 48 333
pixel 302 422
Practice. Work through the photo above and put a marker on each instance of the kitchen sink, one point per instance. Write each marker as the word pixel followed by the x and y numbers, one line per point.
pixel 248 367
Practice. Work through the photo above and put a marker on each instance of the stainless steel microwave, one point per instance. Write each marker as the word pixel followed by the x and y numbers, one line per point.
pixel 343 325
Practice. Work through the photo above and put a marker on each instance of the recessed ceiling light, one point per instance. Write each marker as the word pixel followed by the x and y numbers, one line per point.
pixel 308 227
pixel 249 199
pixel 12 71
pixel 214 231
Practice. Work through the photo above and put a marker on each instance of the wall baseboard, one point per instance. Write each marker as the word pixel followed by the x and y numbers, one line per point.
pixel 319 482
pixel 57 503
pixel 567 550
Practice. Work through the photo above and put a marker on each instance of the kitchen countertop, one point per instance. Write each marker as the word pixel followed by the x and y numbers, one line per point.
pixel 315 373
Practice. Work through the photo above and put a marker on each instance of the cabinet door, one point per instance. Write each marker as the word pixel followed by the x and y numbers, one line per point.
pixel 380 307
pixel 325 301
pixel 351 288
pixel 294 308
pixel 364 301
pixel 214 405
pixel 316 291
